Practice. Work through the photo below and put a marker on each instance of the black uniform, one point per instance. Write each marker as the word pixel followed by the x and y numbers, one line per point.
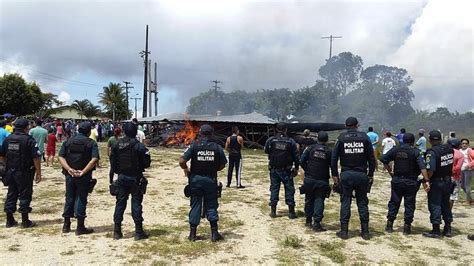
pixel 128 159
pixel 439 160
pixel 303 143
pixel 407 167
pixel 19 149
pixel 356 153
pixel 316 161
pixel 235 161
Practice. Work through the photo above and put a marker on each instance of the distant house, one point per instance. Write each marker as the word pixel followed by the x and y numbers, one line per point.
pixel 67 112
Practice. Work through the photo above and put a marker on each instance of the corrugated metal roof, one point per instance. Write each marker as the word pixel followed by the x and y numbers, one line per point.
pixel 251 118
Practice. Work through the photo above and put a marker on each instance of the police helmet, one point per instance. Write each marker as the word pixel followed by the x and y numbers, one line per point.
pixel 323 136
pixel 206 130
pixel 130 129
pixel 85 128
pixel 21 123
pixel 408 138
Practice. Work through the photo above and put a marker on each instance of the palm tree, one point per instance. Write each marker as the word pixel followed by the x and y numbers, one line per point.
pixel 86 108
pixel 114 99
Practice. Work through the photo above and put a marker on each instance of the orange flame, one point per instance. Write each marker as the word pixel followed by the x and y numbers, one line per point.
pixel 185 136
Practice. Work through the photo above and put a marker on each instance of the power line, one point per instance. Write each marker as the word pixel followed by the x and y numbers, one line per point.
pixel 330 37
pixel 126 92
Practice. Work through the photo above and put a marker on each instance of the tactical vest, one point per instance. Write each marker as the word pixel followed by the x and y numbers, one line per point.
pixel 353 149
pixel 127 157
pixel 205 158
pixel 234 147
pixel 18 155
pixel 318 163
pixel 444 161
pixel 280 152
pixel 405 162
pixel 78 152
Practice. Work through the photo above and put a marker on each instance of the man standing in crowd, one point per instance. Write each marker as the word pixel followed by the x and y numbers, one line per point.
pixel 399 136
pixel 356 154
pixel 374 138
pixel 207 158
pixel 316 161
pixel 128 159
pixel 421 142
pixel 282 155
pixel 40 135
pixel 457 166
pixel 234 145
pixel 409 163
pixel 78 157
pixel 439 163
pixel 304 141
pixel 22 164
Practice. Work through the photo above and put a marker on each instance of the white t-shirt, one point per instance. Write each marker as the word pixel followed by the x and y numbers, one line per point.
pixel 387 144
pixel 140 136
pixel 465 153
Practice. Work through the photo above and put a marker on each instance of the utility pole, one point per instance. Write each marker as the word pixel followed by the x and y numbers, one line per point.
pixel 216 87
pixel 155 89
pixel 126 94
pixel 135 98
pixel 330 37
pixel 150 88
pixel 145 76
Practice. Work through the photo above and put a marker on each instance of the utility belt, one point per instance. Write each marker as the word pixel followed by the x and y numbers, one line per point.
pixel 285 168
pixel 414 178
pixel 355 169
pixel 445 179
pixel 317 178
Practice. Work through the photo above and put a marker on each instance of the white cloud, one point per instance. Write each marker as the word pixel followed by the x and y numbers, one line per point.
pixel 64 97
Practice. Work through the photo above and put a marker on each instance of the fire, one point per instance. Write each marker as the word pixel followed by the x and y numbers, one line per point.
pixel 184 136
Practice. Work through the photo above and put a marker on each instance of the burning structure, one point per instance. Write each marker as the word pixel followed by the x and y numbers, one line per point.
pixel 179 129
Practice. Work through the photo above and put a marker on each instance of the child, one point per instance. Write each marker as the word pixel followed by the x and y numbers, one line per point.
pixel 51 147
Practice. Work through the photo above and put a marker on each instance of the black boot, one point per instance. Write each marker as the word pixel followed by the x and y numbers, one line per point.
pixel 273 212
pixel 192 233
pixel 67 225
pixel 389 227
pixel 317 227
pixel 10 220
pixel 291 212
pixel 215 236
pixel 26 222
pixel 139 233
pixel 309 221
pixel 447 230
pixel 435 233
pixel 364 231
pixel 343 234
pixel 81 228
pixel 407 229
pixel 118 231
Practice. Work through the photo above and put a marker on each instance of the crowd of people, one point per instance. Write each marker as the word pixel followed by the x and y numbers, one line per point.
pixel 351 163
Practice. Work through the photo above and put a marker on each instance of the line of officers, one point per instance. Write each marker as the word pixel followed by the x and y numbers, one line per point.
pixel 79 155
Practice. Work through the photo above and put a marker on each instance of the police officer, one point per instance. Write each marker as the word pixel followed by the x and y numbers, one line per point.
pixel 409 163
pixel 356 153
pixel 207 157
pixel 22 164
pixel 439 163
pixel 128 159
pixel 282 155
pixel 78 157
pixel 316 161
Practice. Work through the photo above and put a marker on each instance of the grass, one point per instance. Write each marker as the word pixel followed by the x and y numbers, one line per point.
pixel 333 250
pixel 292 242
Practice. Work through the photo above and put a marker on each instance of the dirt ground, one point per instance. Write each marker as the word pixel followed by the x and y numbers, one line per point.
pixel 251 236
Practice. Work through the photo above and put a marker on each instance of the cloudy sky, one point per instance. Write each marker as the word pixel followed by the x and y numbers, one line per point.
pixel 74 48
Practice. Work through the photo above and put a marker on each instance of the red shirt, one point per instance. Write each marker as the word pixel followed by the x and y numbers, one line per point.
pixel 51 142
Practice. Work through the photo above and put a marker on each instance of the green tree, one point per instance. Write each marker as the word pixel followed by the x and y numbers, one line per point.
pixel 396 82
pixel 86 108
pixel 19 97
pixel 114 99
pixel 49 101
pixel 342 72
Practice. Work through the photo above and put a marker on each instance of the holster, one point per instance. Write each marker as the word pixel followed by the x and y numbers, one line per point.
pixel 92 184
pixel 187 191
pixel 219 189
pixel 143 184
pixel 453 186
pixel 369 187
pixel 114 188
